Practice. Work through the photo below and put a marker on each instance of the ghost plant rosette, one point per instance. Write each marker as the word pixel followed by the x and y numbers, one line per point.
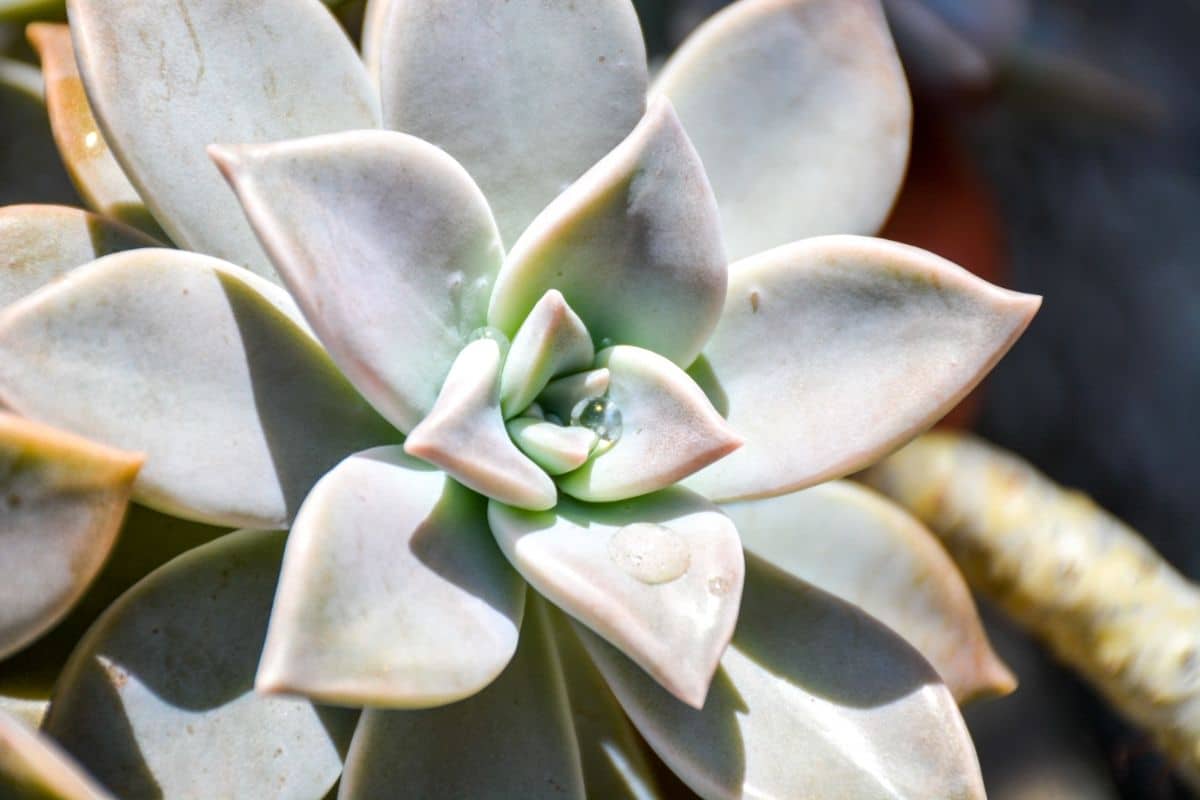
pixel 463 318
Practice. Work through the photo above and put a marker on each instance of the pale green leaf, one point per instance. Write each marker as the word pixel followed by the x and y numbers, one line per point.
pixel 814 699
pixel 834 351
pixel 158 698
pixel 168 79
pixel 801 113
pixel 660 577
pixel 393 592
pixel 203 367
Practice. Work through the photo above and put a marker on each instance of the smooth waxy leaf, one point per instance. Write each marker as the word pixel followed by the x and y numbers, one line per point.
pixel 634 246
pixel 858 546
pixel 464 434
pixel 562 395
pixel 158 699
pixel 513 739
pixel 801 113
pixel 19 10
pixel 614 762
pixel 393 592
pixel 62 499
pixel 386 244
pixel 96 174
pixel 553 447
pixel 834 351
pixel 30 168
pixel 168 79
pixel 813 699
pixel 552 341
pixel 668 430
pixel 32 767
pixel 237 409
pixel 526 94
pixel 660 577
pixel 41 243
pixel 147 541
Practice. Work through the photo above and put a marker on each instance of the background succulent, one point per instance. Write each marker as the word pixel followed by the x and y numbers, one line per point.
pixel 821 356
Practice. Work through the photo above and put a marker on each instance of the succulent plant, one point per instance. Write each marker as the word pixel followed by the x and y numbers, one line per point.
pixel 461 316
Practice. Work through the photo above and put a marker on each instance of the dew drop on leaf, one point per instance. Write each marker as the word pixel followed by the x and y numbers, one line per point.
pixel 599 415
pixel 649 552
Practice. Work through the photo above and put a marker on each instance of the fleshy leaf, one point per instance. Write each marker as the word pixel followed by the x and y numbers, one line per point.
pixel 634 246
pixel 513 739
pixel 669 430
pixel 553 447
pixel 614 764
pixel 659 576
pixel 836 350
pixel 62 499
pixel 856 545
pixel 464 434
pixel 392 593
pixel 147 541
pixel 552 341
pixel 167 79
pixel 387 245
pixel 158 699
pixel 801 113
pixel 199 366
pixel 41 243
pixel 32 767
pixel 23 10
pixel 96 174
pixel 562 395
pixel 526 94
pixel 813 699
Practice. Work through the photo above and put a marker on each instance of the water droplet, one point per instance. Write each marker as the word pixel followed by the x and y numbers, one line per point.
pixel 600 415
pixel 488 332
pixel 650 553
pixel 92 140
pixel 718 586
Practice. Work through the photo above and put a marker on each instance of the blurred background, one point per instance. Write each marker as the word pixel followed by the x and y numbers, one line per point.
pixel 1056 151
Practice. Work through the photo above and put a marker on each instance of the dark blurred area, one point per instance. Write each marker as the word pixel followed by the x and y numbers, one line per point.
pixel 1100 203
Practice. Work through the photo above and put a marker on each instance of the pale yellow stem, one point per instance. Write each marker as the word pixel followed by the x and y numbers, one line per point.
pixel 1077 577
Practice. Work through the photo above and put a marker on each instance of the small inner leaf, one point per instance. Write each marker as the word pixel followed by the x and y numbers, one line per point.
pixel 464 434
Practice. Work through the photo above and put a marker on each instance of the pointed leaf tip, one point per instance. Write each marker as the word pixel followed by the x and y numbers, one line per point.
pixel 836 350
pixel 659 576
pixel 634 246
pixel 464 434
pixel 552 341
pixel 813 699
pixel 860 547
pixel 388 247
pixel 393 593
pixel 64 498
pixel 669 429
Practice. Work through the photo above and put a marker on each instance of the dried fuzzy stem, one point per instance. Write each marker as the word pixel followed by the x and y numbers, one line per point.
pixel 1088 585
